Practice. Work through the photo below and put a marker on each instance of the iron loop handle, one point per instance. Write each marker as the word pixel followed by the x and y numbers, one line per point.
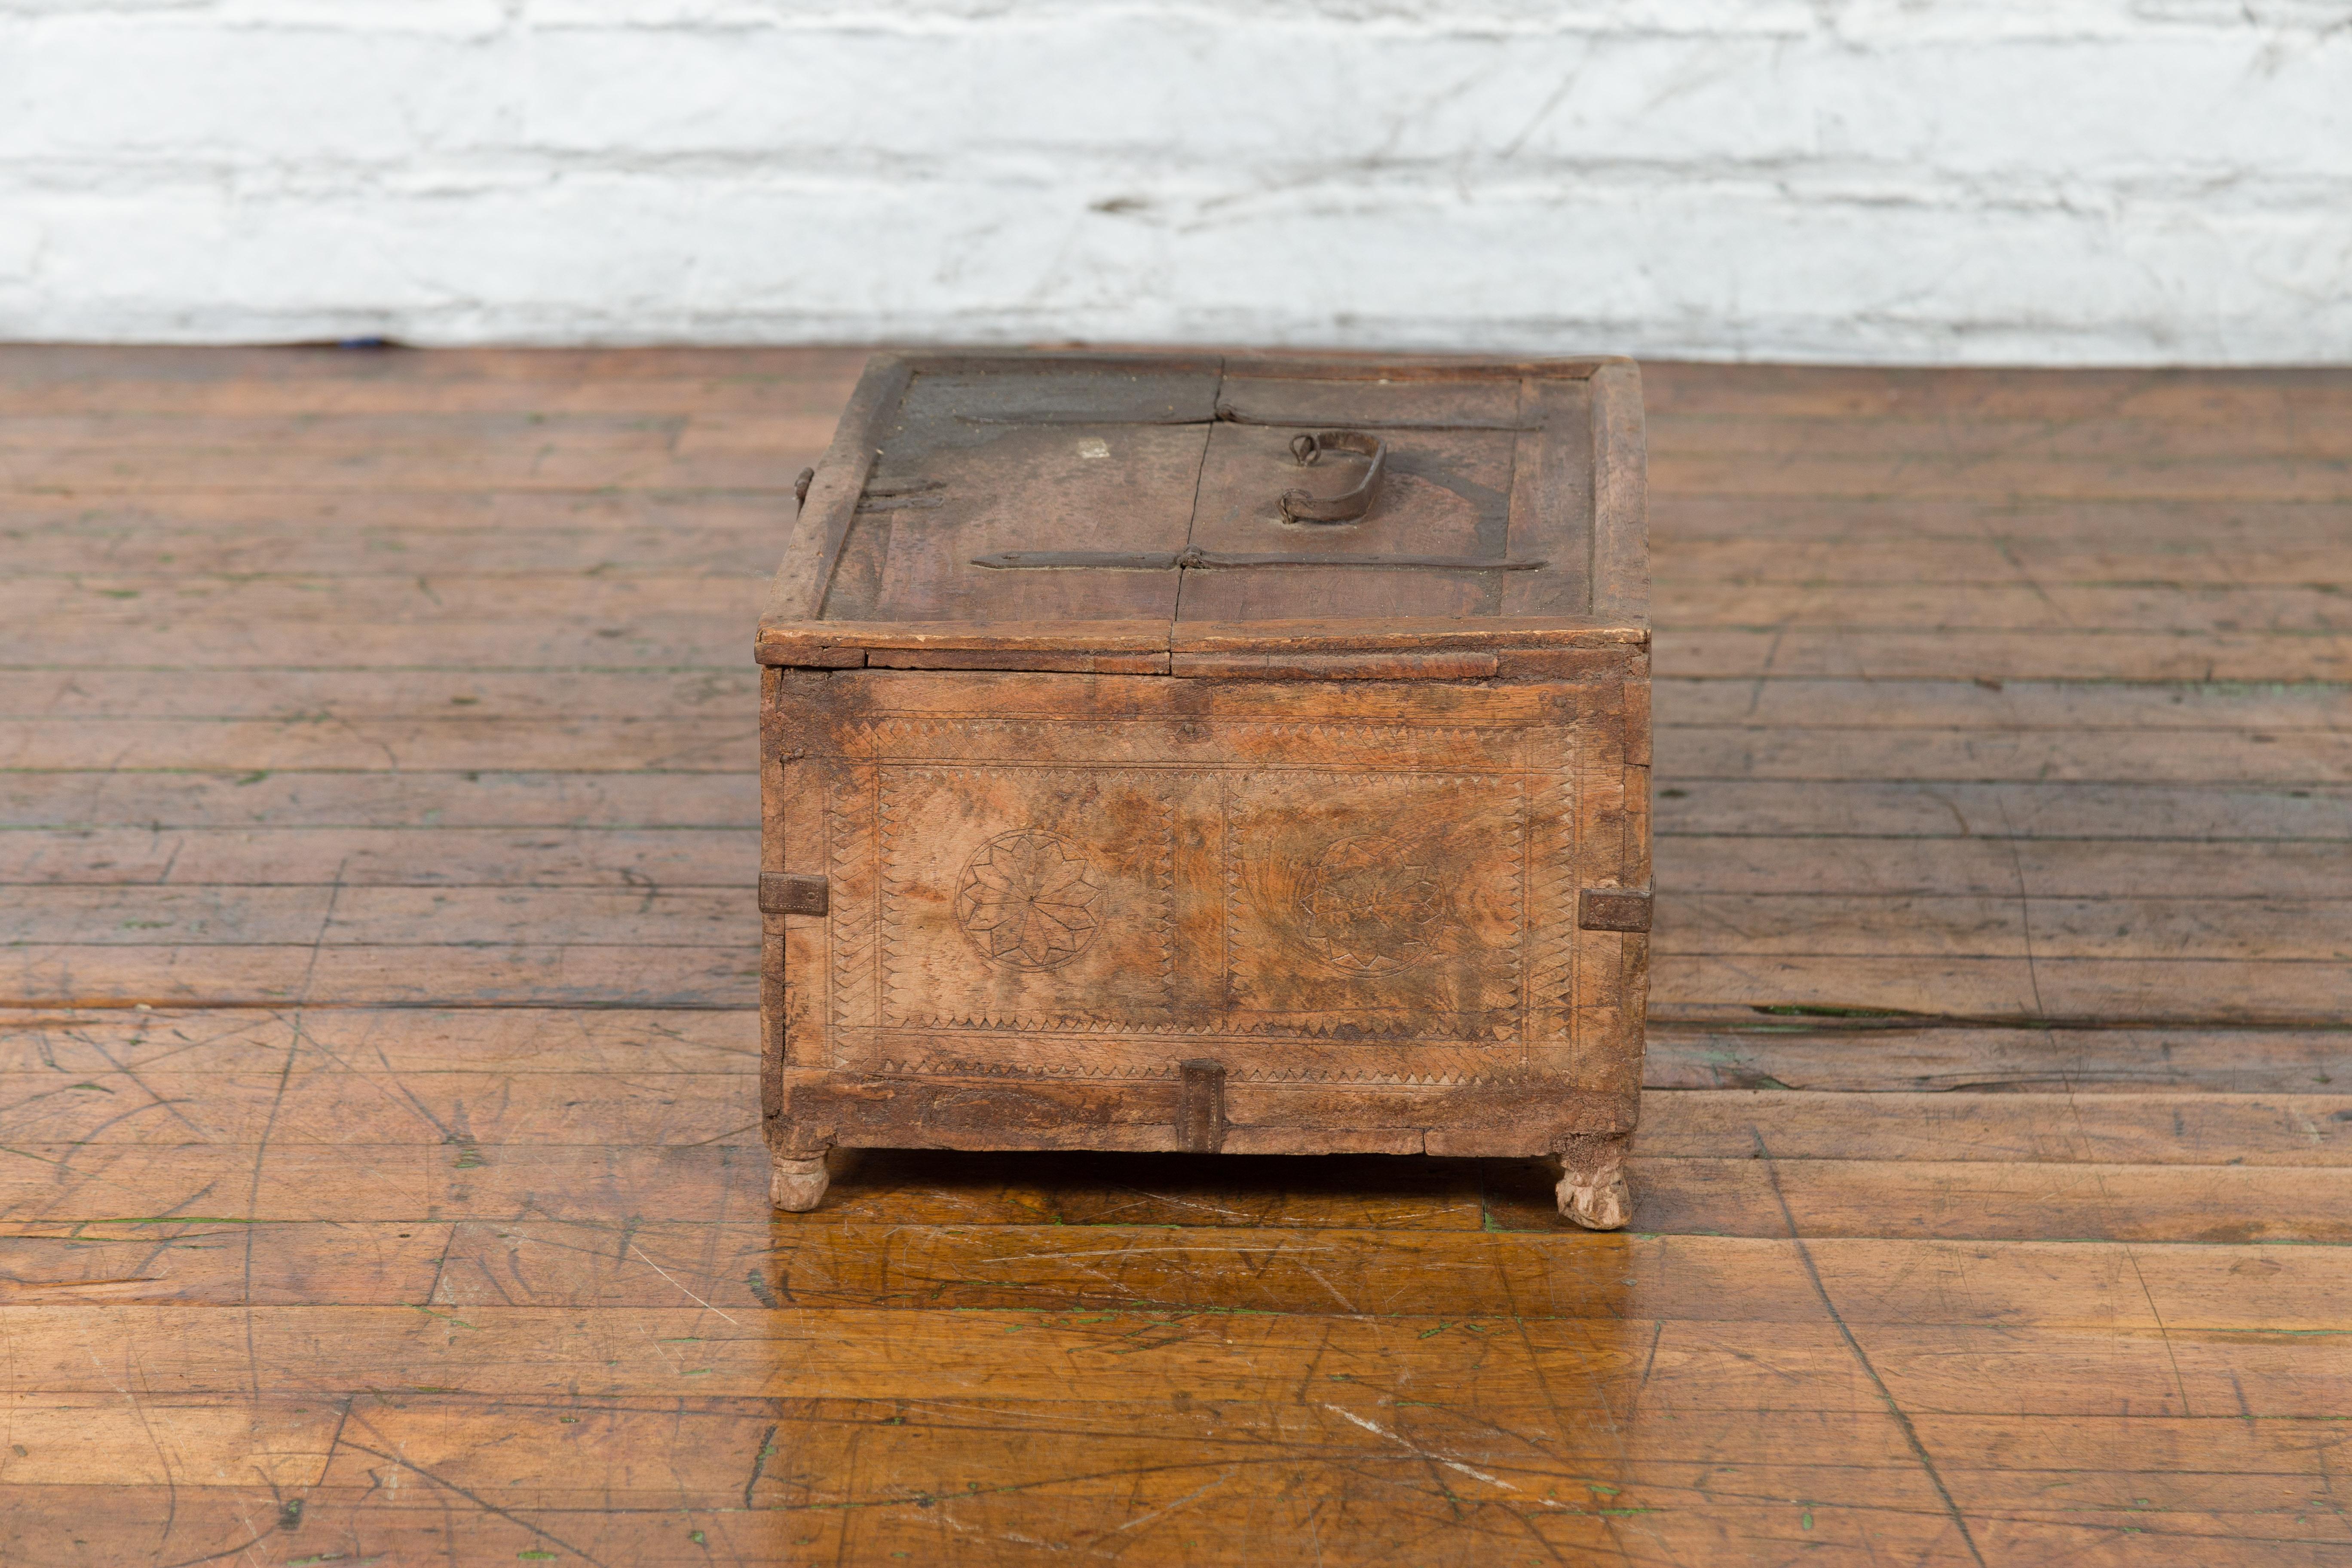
pixel 1298 506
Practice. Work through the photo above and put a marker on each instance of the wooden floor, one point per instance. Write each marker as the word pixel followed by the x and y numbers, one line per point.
pixel 378 1145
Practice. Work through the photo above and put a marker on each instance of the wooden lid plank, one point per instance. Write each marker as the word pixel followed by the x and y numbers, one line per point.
pixel 1085 503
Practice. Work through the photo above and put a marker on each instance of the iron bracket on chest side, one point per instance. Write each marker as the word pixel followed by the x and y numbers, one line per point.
pixel 1612 909
pixel 783 893
pixel 1201 1111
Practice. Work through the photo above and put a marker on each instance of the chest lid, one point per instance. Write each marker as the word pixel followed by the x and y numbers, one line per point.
pixel 1099 512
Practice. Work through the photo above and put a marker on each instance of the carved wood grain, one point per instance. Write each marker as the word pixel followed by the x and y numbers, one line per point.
pixel 1237 799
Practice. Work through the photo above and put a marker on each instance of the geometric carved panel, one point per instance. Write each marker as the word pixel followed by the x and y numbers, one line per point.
pixel 1375 906
pixel 1026 898
pixel 1341 907
pixel 1360 903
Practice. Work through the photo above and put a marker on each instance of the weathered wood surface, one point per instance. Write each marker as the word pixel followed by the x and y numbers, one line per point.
pixel 1359 906
pixel 1990 1193
pixel 1327 890
pixel 953 473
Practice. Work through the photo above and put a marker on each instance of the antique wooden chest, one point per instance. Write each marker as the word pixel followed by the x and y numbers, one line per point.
pixel 1176 752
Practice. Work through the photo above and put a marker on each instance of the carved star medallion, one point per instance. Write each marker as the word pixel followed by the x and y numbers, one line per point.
pixel 1026 900
pixel 1368 907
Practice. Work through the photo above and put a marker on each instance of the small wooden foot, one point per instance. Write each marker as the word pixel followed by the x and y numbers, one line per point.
pixel 1593 1191
pixel 798 1185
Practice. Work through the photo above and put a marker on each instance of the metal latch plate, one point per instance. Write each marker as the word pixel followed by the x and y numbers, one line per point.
pixel 1612 909
pixel 785 893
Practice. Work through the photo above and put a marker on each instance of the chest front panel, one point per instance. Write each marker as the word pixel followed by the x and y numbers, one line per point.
pixel 1097 876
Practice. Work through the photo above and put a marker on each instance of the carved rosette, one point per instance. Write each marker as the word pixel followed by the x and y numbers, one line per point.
pixel 1367 907
pixel 1025 900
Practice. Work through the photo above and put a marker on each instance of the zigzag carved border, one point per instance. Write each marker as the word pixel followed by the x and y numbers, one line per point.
pixel 948 1067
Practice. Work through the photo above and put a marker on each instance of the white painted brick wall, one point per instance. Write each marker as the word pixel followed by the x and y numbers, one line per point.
pixel 2052 181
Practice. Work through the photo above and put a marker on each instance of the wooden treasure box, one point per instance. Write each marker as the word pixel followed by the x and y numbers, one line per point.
pixel 1176 752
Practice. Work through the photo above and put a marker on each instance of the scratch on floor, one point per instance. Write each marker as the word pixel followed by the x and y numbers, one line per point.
pixel 1419 1452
